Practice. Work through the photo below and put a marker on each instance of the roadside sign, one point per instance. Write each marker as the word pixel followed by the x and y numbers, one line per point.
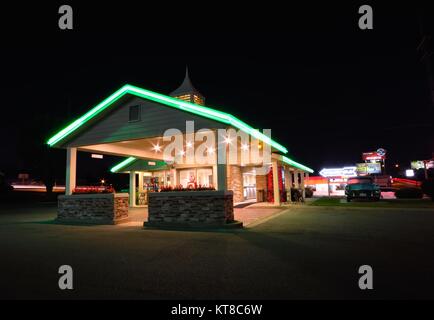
pixel 339 172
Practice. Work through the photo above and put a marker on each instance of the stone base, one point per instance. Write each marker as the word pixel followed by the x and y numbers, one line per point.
pixel 191 226
pixel 190 208
pixel 103 208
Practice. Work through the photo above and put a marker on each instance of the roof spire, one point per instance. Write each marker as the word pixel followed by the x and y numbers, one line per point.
pixel 186 72
pixel 187 91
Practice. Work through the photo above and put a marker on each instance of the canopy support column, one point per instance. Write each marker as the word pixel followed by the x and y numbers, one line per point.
pixel 288 183
pixel 132 189
pixel 71 170
pixel 221 177
pixel 276 190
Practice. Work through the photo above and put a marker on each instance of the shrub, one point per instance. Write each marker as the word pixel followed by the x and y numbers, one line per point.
pixel 428 188
pixel 93 190
pixel 296 195
pixel 409 193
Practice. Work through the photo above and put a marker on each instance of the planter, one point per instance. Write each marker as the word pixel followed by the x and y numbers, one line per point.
pixel 190 209
pixel 103 208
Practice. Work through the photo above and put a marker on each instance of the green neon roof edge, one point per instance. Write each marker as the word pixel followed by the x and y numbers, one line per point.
pixel 296 164
pixel 173 102
pixel 122 164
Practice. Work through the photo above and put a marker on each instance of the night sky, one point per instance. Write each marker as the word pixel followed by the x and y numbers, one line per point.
pixel 328 90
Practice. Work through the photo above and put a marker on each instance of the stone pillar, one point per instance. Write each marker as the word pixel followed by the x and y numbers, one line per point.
pixel 276 190
pixel 261 184
pixel 235 182
pixel 132 189
pixel 71 170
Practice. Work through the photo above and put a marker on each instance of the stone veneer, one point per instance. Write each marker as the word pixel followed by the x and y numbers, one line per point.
pixel 102 208
pixel 190 208
pixel 235 182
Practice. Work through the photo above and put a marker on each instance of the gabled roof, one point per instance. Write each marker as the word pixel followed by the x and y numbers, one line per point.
pixel 202 111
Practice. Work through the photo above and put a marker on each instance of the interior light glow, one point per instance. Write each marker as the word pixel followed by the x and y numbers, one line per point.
pixel 245 147
pixel 169 101
pixel 189 144
pixel 182 152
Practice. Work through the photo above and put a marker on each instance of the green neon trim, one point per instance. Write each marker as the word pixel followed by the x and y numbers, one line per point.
pixel 122 164
pixel 172 102
pixel 87 116
pixel 296 164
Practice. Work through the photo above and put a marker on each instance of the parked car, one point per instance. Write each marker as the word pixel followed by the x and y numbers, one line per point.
pixel 362 188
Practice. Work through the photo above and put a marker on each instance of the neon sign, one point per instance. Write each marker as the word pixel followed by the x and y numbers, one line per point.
pixel 339 172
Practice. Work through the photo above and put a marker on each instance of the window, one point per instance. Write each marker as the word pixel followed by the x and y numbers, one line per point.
pixel 187 178
pixel 134 113
pixel 204 177
pixel 198 100
pixel 190 178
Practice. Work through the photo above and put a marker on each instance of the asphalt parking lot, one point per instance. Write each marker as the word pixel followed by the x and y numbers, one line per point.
pixel 304 252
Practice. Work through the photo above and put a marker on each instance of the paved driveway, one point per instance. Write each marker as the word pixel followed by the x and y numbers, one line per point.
pixel 304 252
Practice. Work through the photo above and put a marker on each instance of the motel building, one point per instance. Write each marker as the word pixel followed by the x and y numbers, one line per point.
pixel 180 164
